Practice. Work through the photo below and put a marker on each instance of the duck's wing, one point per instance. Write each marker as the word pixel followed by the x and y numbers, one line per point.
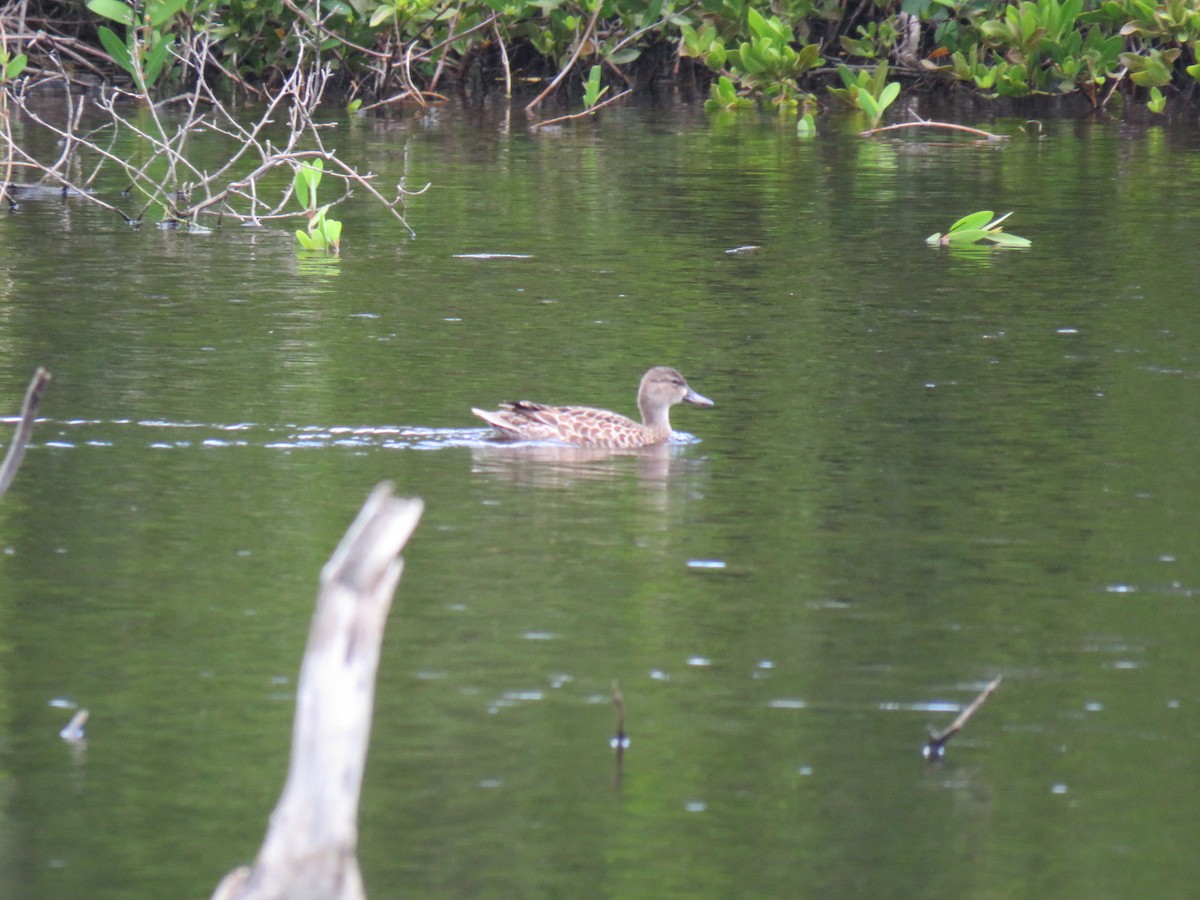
pixel 582 426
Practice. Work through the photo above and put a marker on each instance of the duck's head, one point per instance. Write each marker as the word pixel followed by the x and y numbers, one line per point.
pixel 661 388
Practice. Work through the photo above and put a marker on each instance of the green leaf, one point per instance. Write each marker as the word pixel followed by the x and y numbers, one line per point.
pixel 118 52
pixel 112 9
pixel 809 57
pixel 307 242
pixel 621 57
pixel 15 66
pixel 381 14
pixel 758 25
pixel 300 183
pixel 332 230
pixel 162 10
pixel 888 95
pixel 1004 239
pixel 966 235
pixel 155 59
pixel 592 90
pixel 973 221
pixel 934 239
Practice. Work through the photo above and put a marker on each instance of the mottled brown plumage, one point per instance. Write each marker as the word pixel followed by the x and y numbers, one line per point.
pixel 583 426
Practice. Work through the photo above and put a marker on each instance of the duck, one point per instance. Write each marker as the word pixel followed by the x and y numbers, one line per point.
pixel 584 426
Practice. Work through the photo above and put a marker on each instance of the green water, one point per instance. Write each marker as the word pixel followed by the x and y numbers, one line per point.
pixel 924 469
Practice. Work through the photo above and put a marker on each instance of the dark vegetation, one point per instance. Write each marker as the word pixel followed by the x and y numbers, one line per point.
pixel 161 74
pixel 786 53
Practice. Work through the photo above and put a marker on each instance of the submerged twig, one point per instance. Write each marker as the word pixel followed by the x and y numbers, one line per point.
pixel 16 450
pixel 949 126
pixel 936 747
pixel 580 115
pixel 620 740
pixel 73 732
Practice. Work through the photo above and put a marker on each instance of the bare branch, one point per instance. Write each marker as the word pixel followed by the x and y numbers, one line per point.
pixel 949 126
pixel 580 115
pixel 16 450
pixel 937 740
pixel 583 39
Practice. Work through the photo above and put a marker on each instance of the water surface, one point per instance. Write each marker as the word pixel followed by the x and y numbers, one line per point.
pixel 924 469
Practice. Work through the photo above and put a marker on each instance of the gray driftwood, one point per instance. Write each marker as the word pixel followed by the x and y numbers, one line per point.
pixel 309 852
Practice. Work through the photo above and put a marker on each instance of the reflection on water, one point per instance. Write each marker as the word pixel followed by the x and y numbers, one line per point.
pixel 561 466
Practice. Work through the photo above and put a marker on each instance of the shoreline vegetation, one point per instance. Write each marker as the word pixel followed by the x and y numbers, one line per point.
pixel 791 55
pixel 161 73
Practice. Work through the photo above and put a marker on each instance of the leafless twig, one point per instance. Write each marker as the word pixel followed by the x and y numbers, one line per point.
pixel 586 112
pixel 936 747
pixel 184 191
pixel 949 126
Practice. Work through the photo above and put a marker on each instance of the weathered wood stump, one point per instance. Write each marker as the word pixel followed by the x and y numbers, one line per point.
pixel 309 852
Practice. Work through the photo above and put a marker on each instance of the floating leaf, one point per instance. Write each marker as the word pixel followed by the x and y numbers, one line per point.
pixel 974 220
pixel 1003 239
pixel 966 235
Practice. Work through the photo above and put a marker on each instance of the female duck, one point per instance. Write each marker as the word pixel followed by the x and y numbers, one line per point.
pixel 583 426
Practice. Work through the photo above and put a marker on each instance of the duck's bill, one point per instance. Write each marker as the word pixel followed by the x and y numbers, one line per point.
pixel 697 399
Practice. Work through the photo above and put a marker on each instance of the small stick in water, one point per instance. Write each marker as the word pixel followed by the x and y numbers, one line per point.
pixel 620 741
pixel 73 731
pixel 936 748
pixel 16 450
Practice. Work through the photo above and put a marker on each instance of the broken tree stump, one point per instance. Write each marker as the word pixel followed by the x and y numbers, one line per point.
pixel 309 852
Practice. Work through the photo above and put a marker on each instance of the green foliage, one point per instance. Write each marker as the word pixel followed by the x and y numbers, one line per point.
pixel 767 63
pixel 1169 22
pixel 323 234
pixel 976 227
pixel 1006 48
pixel 592 92
pixel 872 41
pixel 869 90
pixel 146 49
pixel 1153 69
pixel 705 45
pixel 11 67
pixel 724 96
